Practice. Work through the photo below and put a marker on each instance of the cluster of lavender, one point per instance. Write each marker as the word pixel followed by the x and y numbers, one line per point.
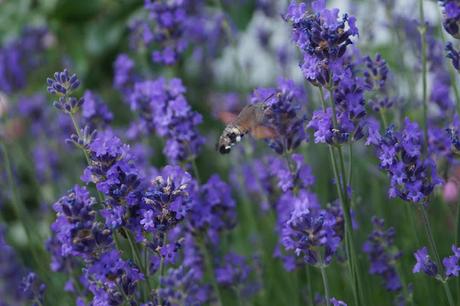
pixel 172 26
pixel 17 286
pixel 284 102
pixel 426 265
pixel 412 176
pixel 376 77
pixel 451 17
pixel 323 39
pixel 163 108
pixel 17 60
pixel 383 255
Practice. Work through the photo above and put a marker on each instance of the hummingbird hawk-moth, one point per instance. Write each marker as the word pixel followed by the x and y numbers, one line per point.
pixel 252 119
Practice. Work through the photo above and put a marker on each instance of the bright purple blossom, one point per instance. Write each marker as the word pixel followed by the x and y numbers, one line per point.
pixel 424 263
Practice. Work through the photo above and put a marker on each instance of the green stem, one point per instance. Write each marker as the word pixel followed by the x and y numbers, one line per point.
pixel 162 268
pixel 384 118
pixel 346 211
pixel 22 215
pixel 422 30
pixel 195 171
pixel 137 259
pixel 434 249
pixel 310 288
pixel 350 164
pixel 210 268
pixel 325 283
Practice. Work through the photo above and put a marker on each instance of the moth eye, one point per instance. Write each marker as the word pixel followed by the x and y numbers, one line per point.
pixel 232 136
pixel 224 149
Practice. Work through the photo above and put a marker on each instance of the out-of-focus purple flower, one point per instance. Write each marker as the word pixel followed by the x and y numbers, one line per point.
pixel 376 77
pixel 110 279
pixel 322 36
pixel 298 175
pixel 33 289
pixel 181 287
pixel 382 254
pixel 336 302
pixel 454 55
pixel 235 272
pixel 163 107
pixel 412 177
pixel 214 209
pixel 124 74
pixel 95 112
pixel 46 162
pixel 424 263
pixel 452 263
pixel 285 104
pixel 11 271
pixel 451 17
pixel 20 57
pixel 76 228
pixel 63 85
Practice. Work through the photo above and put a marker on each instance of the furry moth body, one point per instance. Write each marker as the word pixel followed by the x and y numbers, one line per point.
pixel 253 120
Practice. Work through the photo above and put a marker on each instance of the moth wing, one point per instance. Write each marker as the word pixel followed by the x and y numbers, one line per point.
pixel 263 132
pixel 227 117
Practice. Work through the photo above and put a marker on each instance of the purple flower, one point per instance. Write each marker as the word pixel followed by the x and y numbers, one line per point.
pixel 181 287
pixel 20 57
pixel 336 302
pixel 451 14
pixel 313 234
pixel 111 278
pixel 167 200
pixel 95 112
pixel 63 85
pixel 214 209
pixel 33 289
pixel 452 263
pixel 124 74
pixel 76 229
pixel 164 109
pixel 322 36
pixel 233 272
pixel 412 177
pixel 381 252
pixel 424 263
pixel 284 104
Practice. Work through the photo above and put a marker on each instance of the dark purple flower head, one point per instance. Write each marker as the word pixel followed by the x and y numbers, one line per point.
pixel 313 234
pixel 383 255
pixel 167 200
pixel 412 177
pixel 376 78
pixel 63 85
pixel 113 170
pixel 214 209
pixel 76 228
pixel 424 263
pixel 451 15
pixel 454 55
pixel 322 36
pixel 285 104
pixel 111 278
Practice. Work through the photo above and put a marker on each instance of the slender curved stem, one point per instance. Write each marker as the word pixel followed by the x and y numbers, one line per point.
pixel 325 283
pixel 422 30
